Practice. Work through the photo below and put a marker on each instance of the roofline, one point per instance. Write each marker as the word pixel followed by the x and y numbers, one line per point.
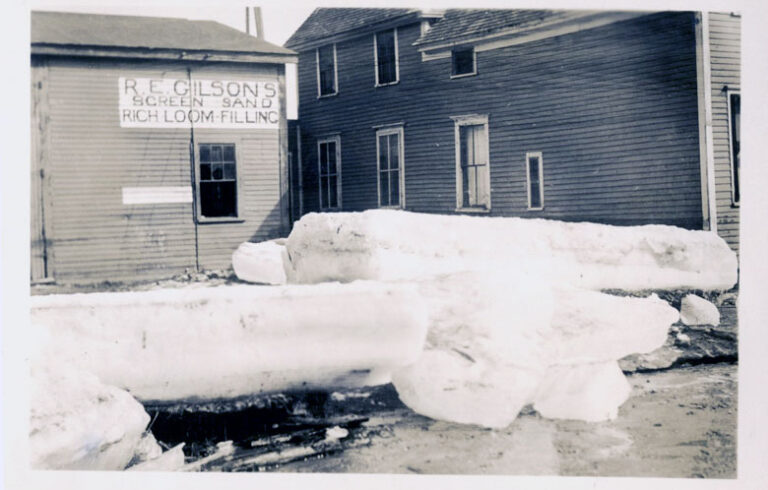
pixel 414 15
pixel 582 19
pixel 50 49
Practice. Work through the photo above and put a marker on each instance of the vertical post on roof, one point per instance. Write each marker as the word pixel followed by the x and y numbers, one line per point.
pixel 247 20
pixel 258 25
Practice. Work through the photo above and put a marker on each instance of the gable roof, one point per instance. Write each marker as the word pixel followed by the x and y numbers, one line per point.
pixel 143 33
pixel 460 24
pixel 328 22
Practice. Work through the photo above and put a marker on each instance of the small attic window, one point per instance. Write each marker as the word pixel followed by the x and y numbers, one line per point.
pixel 463 62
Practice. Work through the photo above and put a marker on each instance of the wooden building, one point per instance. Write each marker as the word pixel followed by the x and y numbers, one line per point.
pixel 158 145
pixel 615 117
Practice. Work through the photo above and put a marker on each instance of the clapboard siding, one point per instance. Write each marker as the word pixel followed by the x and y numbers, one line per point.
pixel 92 159
pixel 613 110
pixel 725 55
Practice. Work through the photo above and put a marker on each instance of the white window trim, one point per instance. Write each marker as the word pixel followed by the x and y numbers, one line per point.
pixel 336 139
pixel 471 120
pixel 728 94
pixel 376 60
pixel 401 160
pixel 238 181
pixel 528 156
pixel 335 72
pixel 474 66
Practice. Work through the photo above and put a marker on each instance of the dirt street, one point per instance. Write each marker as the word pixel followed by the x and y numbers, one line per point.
pixel 677 423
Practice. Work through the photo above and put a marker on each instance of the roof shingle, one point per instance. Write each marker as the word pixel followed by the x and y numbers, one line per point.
pixel 120 31
pixel 327 22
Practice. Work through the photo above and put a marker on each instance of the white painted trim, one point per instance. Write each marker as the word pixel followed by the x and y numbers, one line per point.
pixel 471 120
pixel 528 156
pixel 728 93
pixel 376 60
pixel 707 147
pixel 474 65
pixel 398 130
pixel 337 140
pixel 335 72
pixel 512 37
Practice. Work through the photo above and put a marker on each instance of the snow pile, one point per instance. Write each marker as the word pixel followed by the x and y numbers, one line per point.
pixel 695 310
pixel 391 245
pixel 165 345
pixel 78 423
pixel 260 263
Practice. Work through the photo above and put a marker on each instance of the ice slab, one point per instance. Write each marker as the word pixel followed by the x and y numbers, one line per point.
pixel 232 341
pixel 695 310
pixel 260 263
pixel 390 245
pixel 79 423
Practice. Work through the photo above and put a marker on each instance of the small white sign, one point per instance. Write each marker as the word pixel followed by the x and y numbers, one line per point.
pixel 156 195
pixel 185 103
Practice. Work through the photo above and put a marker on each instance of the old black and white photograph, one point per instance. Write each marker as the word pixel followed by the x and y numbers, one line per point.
pixel 386 240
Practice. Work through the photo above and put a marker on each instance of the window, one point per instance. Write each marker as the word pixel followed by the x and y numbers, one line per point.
pixel 473 180
pixel 329 173
pixel 385 57
pixel 389 148
pixel 535 176
pixel 326 71
pixel 217 190
pixel 463 62
pixel 734 121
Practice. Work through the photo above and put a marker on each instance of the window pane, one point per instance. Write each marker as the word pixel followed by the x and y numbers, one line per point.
pixel 215 153
pixel 323 159
pixel 332 191
pixel 218 199
pixel 736 142
pixel 217 173
pixel 384 188
pixel 464 137
pixel 205 172
pixel 463 61
pixel 331 158
pixel 479 142
pixel 229 171
pixel 385 54
pixel 205 154
pixel 535 195
pixel 465 194
pixel 394 151
pixel 326 70
pixel 394 188
pixel 482 191
pixel 533 169
pixel 229 153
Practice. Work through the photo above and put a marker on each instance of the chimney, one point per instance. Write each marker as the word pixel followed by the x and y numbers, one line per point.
pixel 258 25
pixel 247 20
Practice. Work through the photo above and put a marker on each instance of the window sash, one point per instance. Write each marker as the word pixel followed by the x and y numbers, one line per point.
pixel 326 70
pixel 385 54
pixel 329 174
pixel 463 62
pixel 217 186
pixel 534 171
pixel 474 167
pixel 389 162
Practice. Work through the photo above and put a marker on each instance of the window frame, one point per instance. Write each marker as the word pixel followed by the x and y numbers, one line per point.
pixel 376 59
pixel 474 62
pixel 471 120
pixel 399 130
pixel 528 157
pixel 335 72
pixel 735 174
pixel 337 140
pixel 238 183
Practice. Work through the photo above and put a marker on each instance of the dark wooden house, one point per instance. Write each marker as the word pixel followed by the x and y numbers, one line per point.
pixel 158 145
pixel 615 117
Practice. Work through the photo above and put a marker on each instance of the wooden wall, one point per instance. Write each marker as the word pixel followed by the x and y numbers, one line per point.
pixel 90 158
pixel 725 55
pixel 613 110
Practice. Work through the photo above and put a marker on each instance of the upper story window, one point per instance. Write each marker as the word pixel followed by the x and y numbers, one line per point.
pixel 734 121
pixel 463 62
pixel 326 71
pixel 385 57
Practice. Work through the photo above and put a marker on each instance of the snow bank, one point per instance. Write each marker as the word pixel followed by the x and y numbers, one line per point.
pixel 589 327
pixel 390 245
pixel 260 262
pixel 589 392
pixel 230 341
pixel 78 423
pixel 695 310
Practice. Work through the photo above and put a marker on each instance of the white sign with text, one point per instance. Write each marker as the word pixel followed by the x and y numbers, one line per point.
pixel 184 103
